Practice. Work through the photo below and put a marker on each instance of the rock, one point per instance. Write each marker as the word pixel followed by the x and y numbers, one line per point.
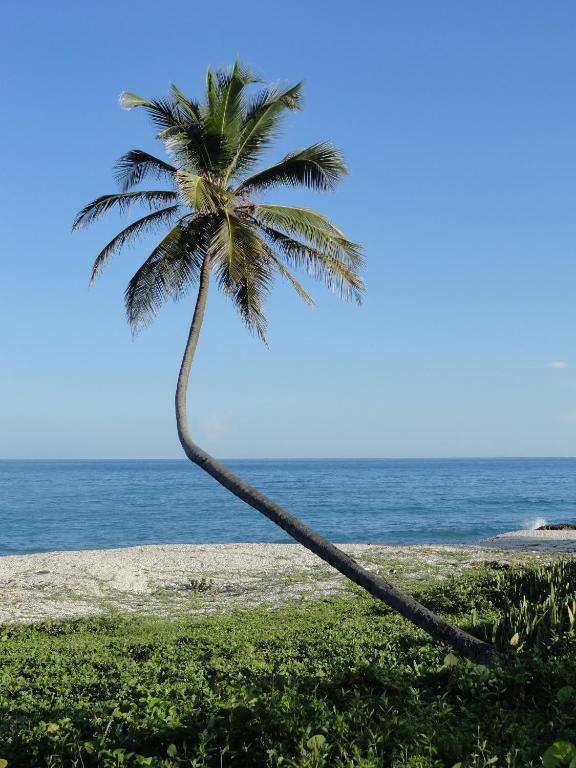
pixel 557 527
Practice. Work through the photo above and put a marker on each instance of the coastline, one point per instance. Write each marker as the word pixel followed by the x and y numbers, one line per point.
pixel 530 539
pixel 173 579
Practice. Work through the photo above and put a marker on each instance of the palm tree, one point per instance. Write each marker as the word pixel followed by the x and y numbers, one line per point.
pixel 217 228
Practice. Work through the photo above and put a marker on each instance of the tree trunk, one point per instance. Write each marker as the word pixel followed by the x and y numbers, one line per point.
pixel 411 609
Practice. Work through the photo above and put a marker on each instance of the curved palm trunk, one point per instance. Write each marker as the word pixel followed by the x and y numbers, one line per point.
pixel 460 641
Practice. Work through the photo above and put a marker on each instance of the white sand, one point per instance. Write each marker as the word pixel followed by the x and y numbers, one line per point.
pixel 156 579
pixel 171 579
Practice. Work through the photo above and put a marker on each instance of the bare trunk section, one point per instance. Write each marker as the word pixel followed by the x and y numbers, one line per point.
pixel 411 609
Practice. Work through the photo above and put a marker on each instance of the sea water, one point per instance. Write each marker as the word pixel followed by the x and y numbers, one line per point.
pixel 66 505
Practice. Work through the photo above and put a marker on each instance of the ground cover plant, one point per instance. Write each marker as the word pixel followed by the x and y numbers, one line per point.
pixel 342 682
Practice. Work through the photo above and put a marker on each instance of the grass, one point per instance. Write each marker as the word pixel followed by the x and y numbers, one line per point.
pixel 341 682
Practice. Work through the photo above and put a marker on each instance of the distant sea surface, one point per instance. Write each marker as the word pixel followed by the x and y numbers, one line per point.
pixel 66 505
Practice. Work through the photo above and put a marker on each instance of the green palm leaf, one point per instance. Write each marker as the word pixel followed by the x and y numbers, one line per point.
pixel 318 230
pixel 336 273
pixel 243 270
pixel 163 113
pixel 226 114
pixel 198 192
pixel 287 275
pixel 182 128
pixel 260 125
pixel 318 167
pixel 192 148
pixel 130 233
pixel 189 106
pixel 123 200
pixel 172 267
pixel 135 165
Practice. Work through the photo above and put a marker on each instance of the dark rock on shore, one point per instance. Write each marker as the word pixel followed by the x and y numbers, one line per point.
pixel 558 527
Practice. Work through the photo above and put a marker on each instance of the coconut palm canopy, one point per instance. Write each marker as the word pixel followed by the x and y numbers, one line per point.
pixel 211 208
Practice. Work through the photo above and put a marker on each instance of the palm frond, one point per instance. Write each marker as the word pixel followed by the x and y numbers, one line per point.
pixel 172 267
pixel 221 115
pixel 181 124
pixel 153 199
pixel 163 113
pixel 210 91
pixel 260 125
pixel 189 106
pixel 274 95
pixel 297 218
pixel 337 274
pixel 287 275
pixel 317 229
pixel 243 271
pixel 198 192
pixel 135 165
pixel 191 147
pixel 129 100
pixel 318 167
pixel 226 114
pixel 130 233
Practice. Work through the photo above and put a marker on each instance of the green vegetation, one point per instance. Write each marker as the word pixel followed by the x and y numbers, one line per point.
pixel 540 603
pixel 343 682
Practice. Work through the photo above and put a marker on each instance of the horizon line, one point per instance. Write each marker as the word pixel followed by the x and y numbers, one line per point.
pixel 306 458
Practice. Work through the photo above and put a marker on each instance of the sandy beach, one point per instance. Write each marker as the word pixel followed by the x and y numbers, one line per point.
pixel 168 580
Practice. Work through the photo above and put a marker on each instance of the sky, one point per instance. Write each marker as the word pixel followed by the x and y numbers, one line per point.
pixel 458 122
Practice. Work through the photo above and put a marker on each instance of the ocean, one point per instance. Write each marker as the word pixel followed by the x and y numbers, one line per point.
pixel 67 505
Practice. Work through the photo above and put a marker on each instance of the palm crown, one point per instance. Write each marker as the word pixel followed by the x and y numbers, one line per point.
pixel 210 208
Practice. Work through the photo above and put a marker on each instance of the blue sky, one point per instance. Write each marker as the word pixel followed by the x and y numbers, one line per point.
pixel 458 121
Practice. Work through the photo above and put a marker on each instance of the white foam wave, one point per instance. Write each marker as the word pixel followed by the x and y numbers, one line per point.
pixel 537 523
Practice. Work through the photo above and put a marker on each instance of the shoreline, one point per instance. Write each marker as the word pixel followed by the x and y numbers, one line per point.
pixel 556 540
pixel 170 580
